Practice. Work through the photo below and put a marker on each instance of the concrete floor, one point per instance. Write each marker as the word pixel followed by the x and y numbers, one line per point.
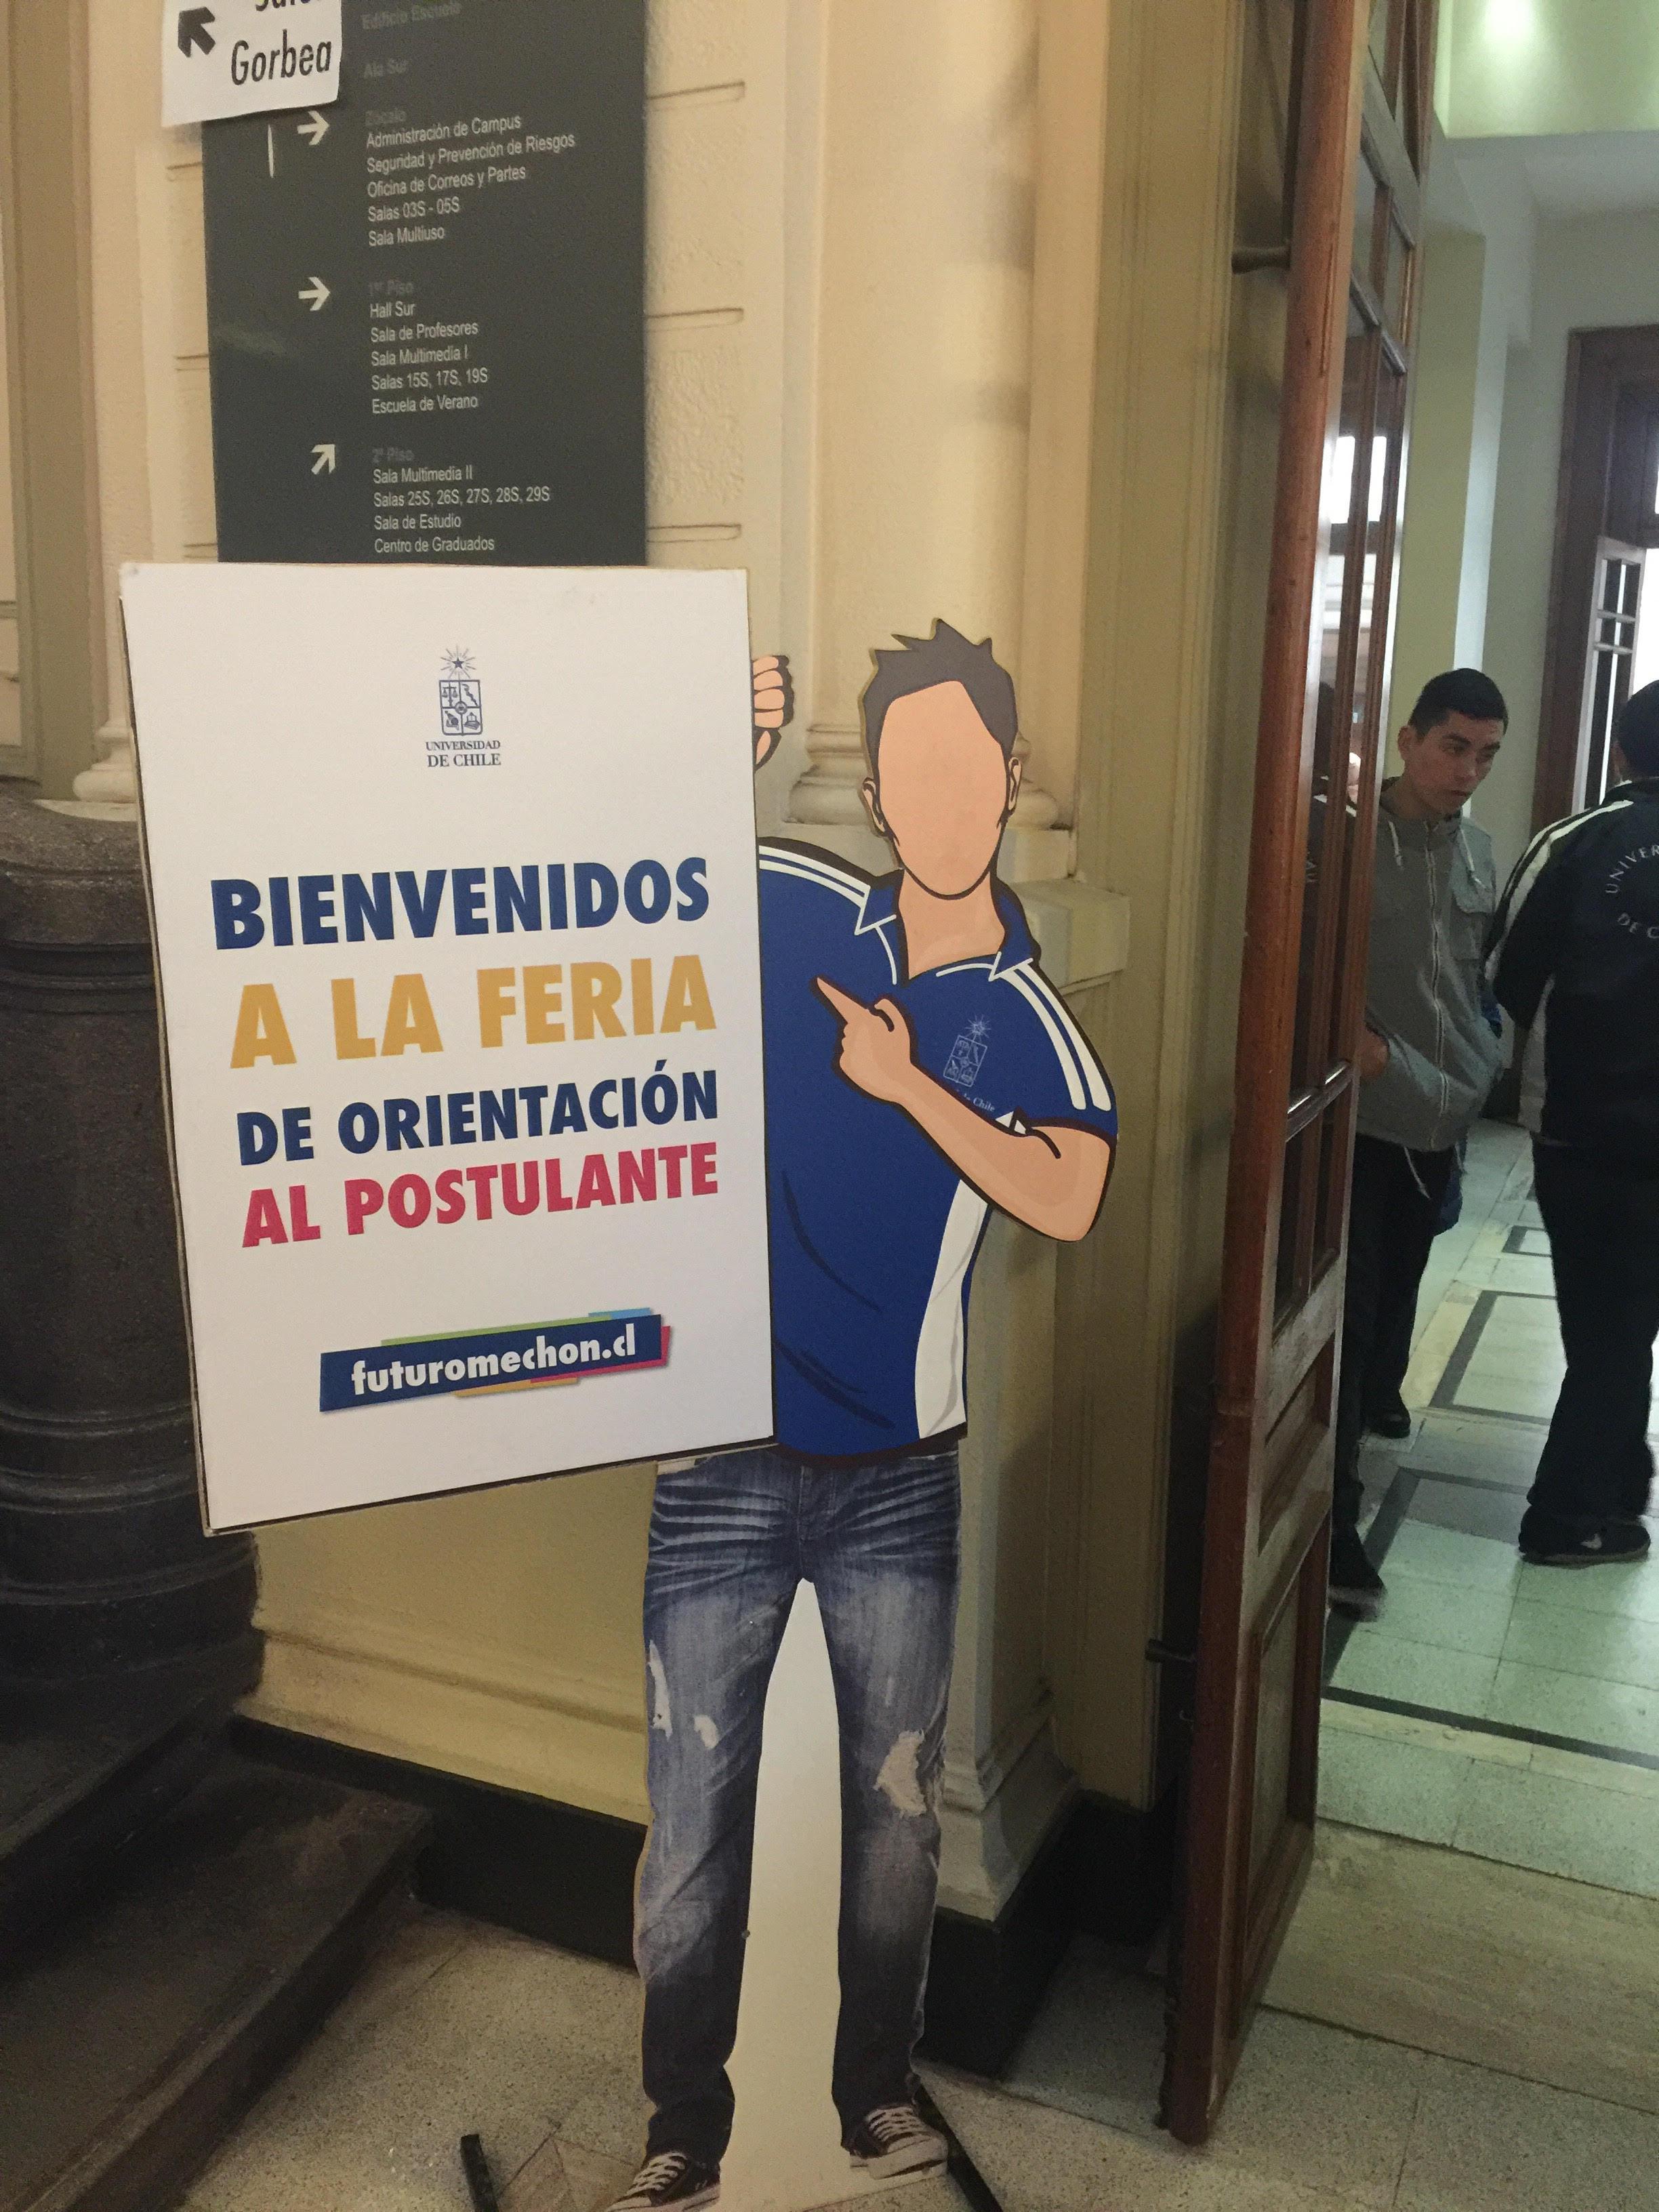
pixel 460 2028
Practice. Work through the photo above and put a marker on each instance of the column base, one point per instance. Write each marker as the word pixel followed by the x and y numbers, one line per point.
pixel 994 1822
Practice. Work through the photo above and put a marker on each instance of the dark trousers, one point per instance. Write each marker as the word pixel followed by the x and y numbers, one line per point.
pixel 1397 1200
pixel 1604 1241
pixel 730 1539
pixel 1386 1378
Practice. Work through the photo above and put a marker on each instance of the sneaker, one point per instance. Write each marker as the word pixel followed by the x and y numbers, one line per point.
pixel 896 2139
pixel 1548 1543
pixel 1390 1419
pixel 1356 1587
pixel 669 2179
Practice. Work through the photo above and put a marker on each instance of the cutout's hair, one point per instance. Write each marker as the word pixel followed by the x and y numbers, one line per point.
pixel 1636 733
pixel 1459 692
pixel 946 656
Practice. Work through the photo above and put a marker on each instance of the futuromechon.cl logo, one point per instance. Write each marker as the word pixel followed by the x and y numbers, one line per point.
pixel 483 1361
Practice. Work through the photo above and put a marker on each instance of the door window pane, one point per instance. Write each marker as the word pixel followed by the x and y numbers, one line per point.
pixel 1396 281
pixel 1370 619
pixel 1331 801
pixel 1386 36
pixel 1365 197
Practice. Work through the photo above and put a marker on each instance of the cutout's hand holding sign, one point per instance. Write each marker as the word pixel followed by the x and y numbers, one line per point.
pixel 773 694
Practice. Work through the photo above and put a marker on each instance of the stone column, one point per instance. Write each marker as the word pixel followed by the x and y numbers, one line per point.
pixel 104 1570
pixel 122 100
pixel 922 393
pixel 1004 1780
pixel 923 374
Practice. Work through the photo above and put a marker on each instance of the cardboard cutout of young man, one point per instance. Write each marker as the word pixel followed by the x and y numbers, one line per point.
pixel 920 1070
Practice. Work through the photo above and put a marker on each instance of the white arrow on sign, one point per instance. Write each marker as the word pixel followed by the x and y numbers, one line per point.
pixel 315 128
pixel 324 460
pixel 317 293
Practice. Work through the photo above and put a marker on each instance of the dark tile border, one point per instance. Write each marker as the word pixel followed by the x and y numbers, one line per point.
pixel 1514 1247
pixel 1379 1541
pixel 1445 1399
pixel 1470 1724
pixel 1474 1481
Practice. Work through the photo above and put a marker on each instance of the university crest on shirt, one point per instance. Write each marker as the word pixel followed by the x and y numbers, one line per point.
pixel 968 1055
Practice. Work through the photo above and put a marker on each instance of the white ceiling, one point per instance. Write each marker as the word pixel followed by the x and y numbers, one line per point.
pixel 1591 173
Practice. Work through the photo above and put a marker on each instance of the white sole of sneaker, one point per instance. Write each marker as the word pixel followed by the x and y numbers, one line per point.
pixel 1585 1558
pixel 915 2162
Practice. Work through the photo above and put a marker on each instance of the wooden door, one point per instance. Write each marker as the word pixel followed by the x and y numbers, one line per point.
pixel 1359 140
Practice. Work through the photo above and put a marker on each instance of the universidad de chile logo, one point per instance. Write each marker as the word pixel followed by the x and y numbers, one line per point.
pixel 968 1055
pixel 460 696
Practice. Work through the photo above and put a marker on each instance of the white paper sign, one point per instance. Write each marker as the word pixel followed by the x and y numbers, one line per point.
pixel 245 57
pixel 452 873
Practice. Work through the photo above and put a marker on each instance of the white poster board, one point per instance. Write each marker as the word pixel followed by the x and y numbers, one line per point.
pixel 454 881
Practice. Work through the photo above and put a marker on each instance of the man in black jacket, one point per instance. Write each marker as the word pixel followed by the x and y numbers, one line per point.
pixel 1576 955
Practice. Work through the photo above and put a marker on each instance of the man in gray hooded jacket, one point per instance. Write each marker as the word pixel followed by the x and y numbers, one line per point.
pixel 1428 1058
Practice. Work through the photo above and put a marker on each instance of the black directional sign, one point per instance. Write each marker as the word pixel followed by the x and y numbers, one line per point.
pixel 426 302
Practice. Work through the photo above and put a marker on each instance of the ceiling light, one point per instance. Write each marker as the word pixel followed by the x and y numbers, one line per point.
pixel 1510 19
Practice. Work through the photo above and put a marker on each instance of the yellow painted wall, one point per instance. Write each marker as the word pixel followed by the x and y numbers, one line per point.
pixel 1151 823
pixel 496 1635
pixel 1445 380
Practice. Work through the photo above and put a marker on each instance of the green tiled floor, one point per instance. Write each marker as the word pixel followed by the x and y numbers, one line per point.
pixel 1427 1554
pixel 1577 1706
pixel 1421 1611
pixel 1632 1591
pixel 1611 1647
pixel 1385 1666
pixel 1401 1789
pixel 1527 1819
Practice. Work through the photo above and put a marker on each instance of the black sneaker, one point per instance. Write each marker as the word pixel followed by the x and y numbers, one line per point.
pixel 1545 1542
pixel 1390 1418
pixel 669 2179
pixel 896 2139
pixel 1356 1587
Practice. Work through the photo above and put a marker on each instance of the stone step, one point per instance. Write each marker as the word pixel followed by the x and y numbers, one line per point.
pixel 83 1773
pixel 135 2031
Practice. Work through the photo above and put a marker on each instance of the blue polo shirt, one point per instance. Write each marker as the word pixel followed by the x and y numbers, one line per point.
pixel 873 1231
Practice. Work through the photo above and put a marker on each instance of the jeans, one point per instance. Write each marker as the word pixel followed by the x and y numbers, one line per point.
pixel 1604 1243
pixel 1397 1200
pixel 730 1541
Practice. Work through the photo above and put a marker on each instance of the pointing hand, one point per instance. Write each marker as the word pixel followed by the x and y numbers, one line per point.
pixel 878 1046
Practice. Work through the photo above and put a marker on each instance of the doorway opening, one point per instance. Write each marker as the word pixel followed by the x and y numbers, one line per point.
pixel 1604 593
